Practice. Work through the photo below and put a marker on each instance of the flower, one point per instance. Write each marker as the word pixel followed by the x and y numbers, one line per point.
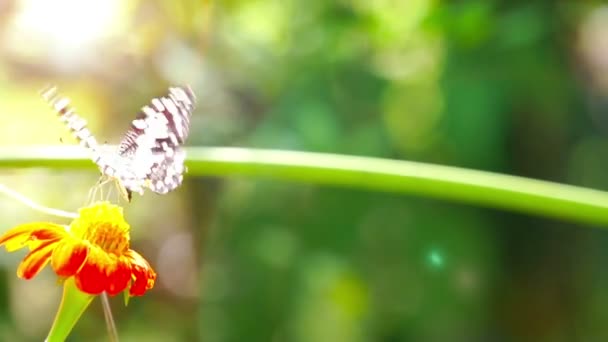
pixel 94 250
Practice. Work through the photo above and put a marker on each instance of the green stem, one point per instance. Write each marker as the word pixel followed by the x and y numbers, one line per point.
pixel 73 304
pixel 463 185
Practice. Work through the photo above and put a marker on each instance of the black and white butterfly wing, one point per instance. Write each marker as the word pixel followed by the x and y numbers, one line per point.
pixel 167 173
pixel 100 154
pixel 151 148
pixel 68 115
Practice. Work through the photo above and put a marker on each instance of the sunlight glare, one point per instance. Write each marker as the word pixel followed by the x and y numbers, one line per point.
pixel 68 24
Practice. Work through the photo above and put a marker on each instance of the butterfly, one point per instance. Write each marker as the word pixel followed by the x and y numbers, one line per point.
pixel 150 154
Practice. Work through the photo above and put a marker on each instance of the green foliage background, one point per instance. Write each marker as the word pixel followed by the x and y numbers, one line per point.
pixel 507 86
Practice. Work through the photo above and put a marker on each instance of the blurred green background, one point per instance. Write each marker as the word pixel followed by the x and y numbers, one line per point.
pixel 517 87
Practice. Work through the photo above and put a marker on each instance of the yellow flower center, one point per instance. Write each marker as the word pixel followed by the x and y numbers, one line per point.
pixel 103 225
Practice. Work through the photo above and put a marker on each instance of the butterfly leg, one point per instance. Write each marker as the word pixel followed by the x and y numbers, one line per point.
pixel 109 194
pixel 93 192
pixel 90 194
pixel 96 192
pixel 123 192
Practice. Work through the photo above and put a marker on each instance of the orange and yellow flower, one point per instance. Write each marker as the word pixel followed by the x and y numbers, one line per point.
pixel 94 250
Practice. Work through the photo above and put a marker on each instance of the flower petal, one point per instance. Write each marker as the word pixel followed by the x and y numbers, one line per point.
pixel 119 276
pixel 94 251
pixel 30 234
pixel 36 259
pixel 68 257
pixel 92 277
pixel 104 272
pixel 143 274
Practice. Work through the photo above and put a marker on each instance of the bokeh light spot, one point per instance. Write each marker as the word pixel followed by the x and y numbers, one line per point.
pixel 435 259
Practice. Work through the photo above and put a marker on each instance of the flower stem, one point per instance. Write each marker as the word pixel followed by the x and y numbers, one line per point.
pixel 481 188
pixel 73 304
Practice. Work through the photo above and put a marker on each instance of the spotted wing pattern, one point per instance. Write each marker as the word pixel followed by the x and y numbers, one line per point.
pixel 150 153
